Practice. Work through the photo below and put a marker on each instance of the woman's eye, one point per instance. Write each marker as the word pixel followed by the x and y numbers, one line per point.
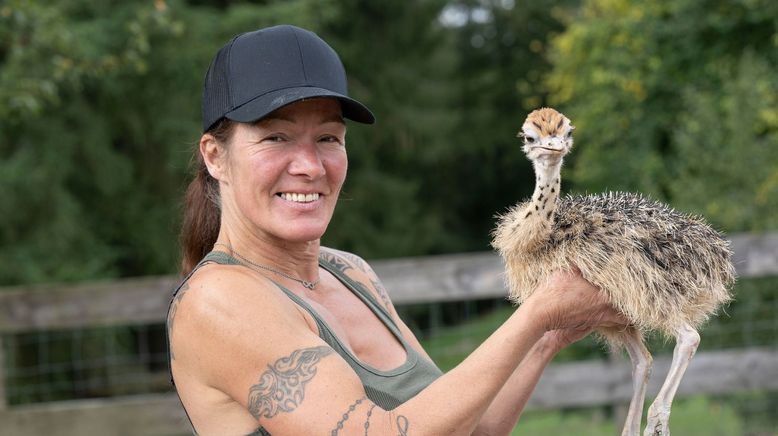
pixel 274 138
pixel 330 139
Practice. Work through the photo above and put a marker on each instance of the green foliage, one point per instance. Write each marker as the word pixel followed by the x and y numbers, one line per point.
pixel 99 112
pixel 479 170
pixel 83 168
pixel 727 147
pixel 676 99
pixel 398 65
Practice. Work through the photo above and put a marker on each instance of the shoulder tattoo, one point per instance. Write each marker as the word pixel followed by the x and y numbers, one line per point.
pixel 281 387
pixel 336 261
pixel 381 291
pixel 339 261
pixel 356 260
pixel 172 313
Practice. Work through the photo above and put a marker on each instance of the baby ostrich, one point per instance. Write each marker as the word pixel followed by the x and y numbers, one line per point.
pixel 663 270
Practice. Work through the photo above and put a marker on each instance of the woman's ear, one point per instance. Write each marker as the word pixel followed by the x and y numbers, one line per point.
pixel 215 157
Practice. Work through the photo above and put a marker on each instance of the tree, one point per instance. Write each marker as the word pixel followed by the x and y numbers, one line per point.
pixel 501 62
pixel 99 111
pixel 658 91
pixel 399 65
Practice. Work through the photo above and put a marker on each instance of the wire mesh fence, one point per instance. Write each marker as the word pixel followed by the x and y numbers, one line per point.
pixel 85 363
pixel 99 362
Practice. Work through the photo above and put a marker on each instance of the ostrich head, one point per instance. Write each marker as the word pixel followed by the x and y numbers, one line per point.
pixel 548 136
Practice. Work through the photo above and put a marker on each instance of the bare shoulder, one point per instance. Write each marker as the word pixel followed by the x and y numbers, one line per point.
pixel 225 288
pixel 221 301
pixel 245 355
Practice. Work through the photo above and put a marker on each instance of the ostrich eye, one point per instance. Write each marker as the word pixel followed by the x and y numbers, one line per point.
pixel 529 139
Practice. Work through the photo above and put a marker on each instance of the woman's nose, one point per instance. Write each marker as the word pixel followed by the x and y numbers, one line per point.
pixel 307 160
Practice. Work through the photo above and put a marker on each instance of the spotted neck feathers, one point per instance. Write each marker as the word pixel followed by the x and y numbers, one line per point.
pixel 539 213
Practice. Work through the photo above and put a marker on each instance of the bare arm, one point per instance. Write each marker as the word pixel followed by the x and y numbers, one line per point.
pixel 506 408
pixel 255 346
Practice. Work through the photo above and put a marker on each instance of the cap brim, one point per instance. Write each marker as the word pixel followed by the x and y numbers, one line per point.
pixel 263 105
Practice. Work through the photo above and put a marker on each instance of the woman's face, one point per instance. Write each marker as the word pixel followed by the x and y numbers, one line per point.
pixel 285 172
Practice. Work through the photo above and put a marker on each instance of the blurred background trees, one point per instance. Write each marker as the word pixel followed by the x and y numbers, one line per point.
pixel 99 111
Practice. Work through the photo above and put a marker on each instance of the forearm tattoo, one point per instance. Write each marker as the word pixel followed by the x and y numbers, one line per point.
pixel 402 425
pixel 282 387
pixel 369 414
pixel 345 417
pixel 400 420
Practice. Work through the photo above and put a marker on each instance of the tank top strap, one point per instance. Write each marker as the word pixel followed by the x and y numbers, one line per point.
pixel 212 257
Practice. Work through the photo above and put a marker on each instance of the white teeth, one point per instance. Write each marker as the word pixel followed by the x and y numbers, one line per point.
pixel 300 198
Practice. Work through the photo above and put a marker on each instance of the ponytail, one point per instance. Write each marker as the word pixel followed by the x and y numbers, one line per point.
pixel 202 206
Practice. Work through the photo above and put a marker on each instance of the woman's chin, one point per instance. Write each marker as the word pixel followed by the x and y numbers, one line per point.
pixel 303 233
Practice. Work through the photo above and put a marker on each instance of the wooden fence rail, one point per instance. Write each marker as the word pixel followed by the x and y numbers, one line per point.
pixel 410 280
pixel 452 277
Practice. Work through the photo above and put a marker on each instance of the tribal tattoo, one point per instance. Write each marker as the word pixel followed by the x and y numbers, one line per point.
pixel 337 261
pixel 282 387
pixel 172 313
pixel 356 260
pixel 381 291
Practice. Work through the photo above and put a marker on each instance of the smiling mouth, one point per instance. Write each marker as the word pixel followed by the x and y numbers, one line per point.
pixel 299 198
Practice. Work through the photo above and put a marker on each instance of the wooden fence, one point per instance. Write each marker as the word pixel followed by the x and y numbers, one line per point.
pixel 410 280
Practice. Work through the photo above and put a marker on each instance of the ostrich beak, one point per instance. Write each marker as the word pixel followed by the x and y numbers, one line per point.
pixel 550 146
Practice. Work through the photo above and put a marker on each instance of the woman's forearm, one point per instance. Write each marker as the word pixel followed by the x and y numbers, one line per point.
pixel 456 402
pixel 504 412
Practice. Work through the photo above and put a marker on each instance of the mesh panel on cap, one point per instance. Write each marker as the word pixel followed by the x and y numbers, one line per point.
pixel 216 93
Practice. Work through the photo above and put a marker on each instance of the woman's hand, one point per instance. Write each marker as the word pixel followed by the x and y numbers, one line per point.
pixel 568 308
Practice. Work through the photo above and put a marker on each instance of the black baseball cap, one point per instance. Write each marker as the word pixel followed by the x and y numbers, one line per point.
pixel 258 72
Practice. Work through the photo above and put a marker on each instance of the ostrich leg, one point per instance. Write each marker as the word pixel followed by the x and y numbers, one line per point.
pixel 687 340
pixel 641 370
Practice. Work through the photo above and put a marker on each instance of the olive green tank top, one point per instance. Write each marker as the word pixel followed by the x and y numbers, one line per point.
pixel 387 389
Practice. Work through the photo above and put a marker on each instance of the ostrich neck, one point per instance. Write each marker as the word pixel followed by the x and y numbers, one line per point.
pixel 547 183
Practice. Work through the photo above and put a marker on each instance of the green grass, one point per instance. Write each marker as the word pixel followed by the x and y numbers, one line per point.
pixel 734 415
pixel 450 345
pixel 694 416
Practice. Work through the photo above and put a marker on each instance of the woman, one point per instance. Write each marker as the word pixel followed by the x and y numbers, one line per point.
pixel 272 333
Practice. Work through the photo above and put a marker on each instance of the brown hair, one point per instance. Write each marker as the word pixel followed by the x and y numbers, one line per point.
pixel 202 206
